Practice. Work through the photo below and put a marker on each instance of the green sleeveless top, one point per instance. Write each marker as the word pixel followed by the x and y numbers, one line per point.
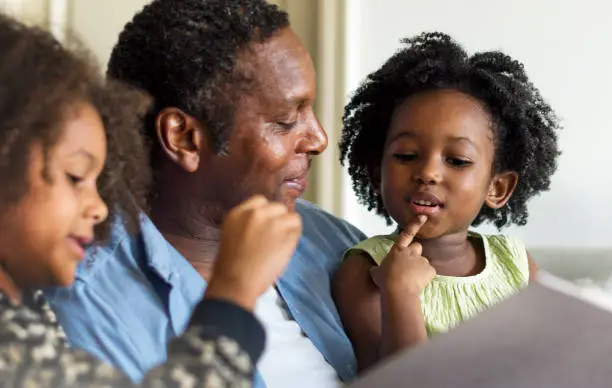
pixel 448 300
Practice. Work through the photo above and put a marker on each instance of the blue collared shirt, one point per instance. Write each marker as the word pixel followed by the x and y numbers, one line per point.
pixel 135 294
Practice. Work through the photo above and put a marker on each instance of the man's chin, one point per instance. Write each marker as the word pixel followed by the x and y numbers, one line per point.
pixel 289 198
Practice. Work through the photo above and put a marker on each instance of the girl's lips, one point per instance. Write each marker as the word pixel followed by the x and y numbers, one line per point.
pixel 79 245
pixel 424 209
pixel 425 203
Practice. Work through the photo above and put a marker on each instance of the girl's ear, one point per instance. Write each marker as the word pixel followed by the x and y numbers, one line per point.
pixel 501 188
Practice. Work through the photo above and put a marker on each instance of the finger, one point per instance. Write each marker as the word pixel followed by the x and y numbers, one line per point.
pixel 287 227
pixel 253 202
pixel 273 210
pixel 433 270
pixel 416 248
pixel 240 210
pixel 8 287
pixel 431 267
pixel 257 211
pixel 407 235
pixel 287 230
pixel 289 223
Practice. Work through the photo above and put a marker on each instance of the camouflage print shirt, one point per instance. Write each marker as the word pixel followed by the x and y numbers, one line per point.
pixel 218 349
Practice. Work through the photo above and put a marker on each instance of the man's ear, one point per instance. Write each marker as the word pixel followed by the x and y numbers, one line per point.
pixel 181 137
pixel 501 188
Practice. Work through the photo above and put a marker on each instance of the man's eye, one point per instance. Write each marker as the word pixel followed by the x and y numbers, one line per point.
pixel 286 125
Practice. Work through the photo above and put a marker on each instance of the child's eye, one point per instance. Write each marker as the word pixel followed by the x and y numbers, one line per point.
pixel 74 179
pixel 456 162
pixel 405 157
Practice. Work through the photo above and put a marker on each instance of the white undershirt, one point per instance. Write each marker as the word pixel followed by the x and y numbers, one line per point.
pixel 290 359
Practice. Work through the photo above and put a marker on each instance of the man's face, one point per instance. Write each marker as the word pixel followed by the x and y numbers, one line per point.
pixel 275 130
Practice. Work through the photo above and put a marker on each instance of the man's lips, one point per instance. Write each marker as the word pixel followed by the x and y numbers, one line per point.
pixel 297 177
pixel 298 184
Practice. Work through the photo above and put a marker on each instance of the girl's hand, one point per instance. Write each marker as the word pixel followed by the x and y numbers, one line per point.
pixel 404 270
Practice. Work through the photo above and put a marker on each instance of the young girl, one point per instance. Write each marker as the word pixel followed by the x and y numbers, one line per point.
pixel 62 128
pixel 439 141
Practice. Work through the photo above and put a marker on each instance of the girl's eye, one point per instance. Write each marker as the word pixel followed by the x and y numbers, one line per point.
pixel 74 179
pixel 455 162
pixel 405 157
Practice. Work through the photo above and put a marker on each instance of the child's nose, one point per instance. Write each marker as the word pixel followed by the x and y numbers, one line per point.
pixel 428 173
pixel 96 209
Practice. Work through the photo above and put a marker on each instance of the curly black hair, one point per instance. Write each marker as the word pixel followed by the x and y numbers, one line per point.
pixel 184 54
pixel 41 81
pixel 524 125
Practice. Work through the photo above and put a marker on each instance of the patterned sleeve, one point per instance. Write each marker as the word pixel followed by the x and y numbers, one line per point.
pixel 219 349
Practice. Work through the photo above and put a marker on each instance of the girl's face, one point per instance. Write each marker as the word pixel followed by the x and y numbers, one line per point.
pixel 438 161
pixel 43 236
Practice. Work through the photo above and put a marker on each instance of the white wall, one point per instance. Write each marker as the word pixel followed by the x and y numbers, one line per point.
pixel 99 22
pixel 567 51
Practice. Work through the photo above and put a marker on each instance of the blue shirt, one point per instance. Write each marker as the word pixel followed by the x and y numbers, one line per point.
pixel 135 294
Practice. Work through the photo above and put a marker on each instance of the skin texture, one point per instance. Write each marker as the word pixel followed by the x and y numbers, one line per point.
pixel 268 153
pixel 43 235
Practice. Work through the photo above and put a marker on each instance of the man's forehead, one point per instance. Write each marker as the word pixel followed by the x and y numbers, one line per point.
pixel 282 65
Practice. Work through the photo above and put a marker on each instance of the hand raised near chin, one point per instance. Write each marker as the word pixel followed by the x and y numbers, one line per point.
pixel 8 287
pixel 404 269
pixel 258 238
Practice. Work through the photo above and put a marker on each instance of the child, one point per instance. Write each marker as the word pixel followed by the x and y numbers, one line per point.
pixel 62 128
pixel 438 141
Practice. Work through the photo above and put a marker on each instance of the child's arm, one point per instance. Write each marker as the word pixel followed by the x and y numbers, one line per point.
pixel 378 329
pixel 378 321
pixel 358 301
pixel 403 324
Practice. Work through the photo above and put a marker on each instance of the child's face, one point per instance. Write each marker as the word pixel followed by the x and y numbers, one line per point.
pixel 438 161
pixel 43 236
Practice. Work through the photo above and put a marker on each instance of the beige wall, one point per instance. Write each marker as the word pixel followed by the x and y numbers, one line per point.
pixel 99 22
pixel 96 22
pixel 29 11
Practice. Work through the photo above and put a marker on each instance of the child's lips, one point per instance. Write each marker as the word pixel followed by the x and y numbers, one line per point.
pixel 79 245
pixel 424 209
pixel 425 203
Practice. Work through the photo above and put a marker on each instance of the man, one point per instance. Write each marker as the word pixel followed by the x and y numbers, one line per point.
pixel 232 117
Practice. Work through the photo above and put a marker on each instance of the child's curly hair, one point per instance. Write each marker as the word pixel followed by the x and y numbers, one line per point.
pixel 40 81
pixel 524 125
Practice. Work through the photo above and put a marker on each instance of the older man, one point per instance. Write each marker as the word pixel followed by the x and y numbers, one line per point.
pixel 233 116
